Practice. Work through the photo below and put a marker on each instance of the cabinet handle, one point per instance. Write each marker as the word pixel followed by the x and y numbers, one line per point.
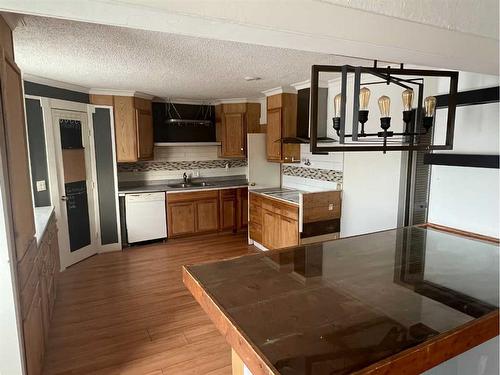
pixel 241 149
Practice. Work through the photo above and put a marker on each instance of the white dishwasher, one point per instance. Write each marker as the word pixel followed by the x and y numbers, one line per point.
pixel 145 216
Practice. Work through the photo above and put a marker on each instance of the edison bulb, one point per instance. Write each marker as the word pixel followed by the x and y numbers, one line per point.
pixel 407 100
pixel 384 104
pixel 337 101
pixel 364 98
pixel 430 106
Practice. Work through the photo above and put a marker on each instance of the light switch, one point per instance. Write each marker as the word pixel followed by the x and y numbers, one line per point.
pixel 40 185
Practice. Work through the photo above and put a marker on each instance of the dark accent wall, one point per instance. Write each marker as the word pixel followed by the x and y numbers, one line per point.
pixel 37 151
pixel 37 89
pixel 168 132
pixel 103 142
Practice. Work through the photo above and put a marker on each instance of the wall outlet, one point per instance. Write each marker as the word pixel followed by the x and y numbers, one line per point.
pixel 330 207
pixel 40 185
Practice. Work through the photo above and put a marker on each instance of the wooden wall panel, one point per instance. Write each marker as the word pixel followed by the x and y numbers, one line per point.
pixel 101 99
pixel 316 206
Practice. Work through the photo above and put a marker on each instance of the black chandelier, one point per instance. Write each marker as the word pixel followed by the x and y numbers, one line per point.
pixel 417 121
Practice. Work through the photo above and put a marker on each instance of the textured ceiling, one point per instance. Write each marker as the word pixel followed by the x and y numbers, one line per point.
pixel 477 17
pixel 160 64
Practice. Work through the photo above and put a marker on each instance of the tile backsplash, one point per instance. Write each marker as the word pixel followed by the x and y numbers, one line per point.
pixel 313 173
pixel 149 166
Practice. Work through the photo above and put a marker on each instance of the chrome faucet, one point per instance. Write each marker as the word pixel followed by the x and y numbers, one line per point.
pixel 186 178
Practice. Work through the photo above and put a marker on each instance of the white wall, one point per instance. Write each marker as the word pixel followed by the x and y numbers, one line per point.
pixel 462 197
pixel 371 183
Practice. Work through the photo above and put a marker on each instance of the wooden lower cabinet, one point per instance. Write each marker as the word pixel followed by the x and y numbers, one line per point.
pixel 206 211
pixel 228 209
pixel 33 328
pixel 37 273
pixel 207 216
pixel 273 224
pixel 181 219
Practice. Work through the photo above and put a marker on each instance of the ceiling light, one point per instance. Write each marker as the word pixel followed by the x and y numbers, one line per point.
pixel 248 78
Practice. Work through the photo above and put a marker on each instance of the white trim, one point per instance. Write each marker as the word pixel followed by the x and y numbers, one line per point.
pixel 280 90
pixel 111 92
pixel 235 101
pixel 260 246
pixel 67 105
pixel 54 83
pixel 185 144
pixel 114 246
pixel 307 84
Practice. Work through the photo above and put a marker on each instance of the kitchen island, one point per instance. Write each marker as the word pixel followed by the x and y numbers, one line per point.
pixel 391 302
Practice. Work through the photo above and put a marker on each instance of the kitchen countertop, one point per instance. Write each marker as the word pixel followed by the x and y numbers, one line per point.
pixel 407 298
pixel 42 217
pixel 134 187
pixel 283 194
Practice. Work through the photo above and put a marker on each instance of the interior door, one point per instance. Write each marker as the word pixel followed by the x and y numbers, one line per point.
pixel 76 187
pixel 261 172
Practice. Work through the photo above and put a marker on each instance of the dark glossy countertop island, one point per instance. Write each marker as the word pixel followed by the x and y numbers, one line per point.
pixel 394 302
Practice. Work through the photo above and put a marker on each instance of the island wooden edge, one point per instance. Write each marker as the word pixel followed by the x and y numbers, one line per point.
pixel 439 349
pixel 460 232
pixel 251 356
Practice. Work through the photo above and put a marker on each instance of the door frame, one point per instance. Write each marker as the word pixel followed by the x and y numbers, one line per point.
pixel 67 258
pixel 113 246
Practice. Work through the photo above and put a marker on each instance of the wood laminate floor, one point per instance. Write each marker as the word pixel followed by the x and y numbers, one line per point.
pixel 129 312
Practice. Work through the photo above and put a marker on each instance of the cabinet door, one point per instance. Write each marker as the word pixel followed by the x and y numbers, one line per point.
pixel 288 232
pixel 181 219
pixel 228 209
pixel 273 143
pixel 270 229
pixel 33 336
pixel 17 156
pixel 125 129
pixel 242 220
pixel 144 121
pixel 233 135
pixel 207 216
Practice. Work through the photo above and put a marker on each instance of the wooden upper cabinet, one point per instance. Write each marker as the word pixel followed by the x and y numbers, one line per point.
pixel 144 135
pixel 233 135
pixel 133 126
pixel 233 122
pixel 273 142
pixel 17 156
pixel 282 123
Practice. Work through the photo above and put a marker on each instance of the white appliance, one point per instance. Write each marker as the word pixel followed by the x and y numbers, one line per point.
pixel 145 216
pixel 261 173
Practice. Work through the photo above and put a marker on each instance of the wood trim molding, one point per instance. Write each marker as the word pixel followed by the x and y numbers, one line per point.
pixel 438 349
pixel 251 356
pixel 460 232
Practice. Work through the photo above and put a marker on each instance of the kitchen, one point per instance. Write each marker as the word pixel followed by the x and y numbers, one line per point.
pixel 149 152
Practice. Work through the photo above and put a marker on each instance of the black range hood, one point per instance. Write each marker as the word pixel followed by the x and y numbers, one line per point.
pixel 303 100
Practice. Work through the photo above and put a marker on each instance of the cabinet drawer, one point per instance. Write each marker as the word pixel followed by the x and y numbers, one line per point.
pixel 192 196
pixel 28 292
pixel 256 215
pixel 255 199
pixel 26 264
pixel 228 193
pixel 255 232
pixel 289 212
